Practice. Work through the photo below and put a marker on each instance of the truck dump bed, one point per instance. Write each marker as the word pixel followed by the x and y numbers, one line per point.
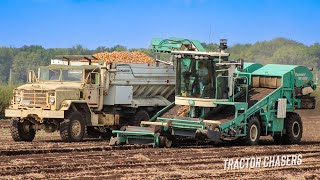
pixel 140 84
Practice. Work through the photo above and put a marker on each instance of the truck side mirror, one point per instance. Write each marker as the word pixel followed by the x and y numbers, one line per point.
pixel 158 57
pixel 157 60
pixel 31 76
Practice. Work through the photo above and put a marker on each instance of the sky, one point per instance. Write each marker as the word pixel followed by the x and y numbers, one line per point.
pixel 133 23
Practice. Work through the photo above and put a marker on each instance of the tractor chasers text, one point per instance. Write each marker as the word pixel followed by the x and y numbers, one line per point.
pixel 263 162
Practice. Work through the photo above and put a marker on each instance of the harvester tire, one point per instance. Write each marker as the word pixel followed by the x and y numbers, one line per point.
pixel 253 131
pixel 73 128
pixel 140 115
pixel 21 131
pixel 294 129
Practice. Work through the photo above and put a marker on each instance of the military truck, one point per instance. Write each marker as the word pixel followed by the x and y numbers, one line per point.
pixel 89 98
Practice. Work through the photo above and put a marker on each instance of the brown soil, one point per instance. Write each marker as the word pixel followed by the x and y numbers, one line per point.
pixel 48 157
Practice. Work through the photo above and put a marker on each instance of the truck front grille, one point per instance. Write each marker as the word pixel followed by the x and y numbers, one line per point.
pixel 34 98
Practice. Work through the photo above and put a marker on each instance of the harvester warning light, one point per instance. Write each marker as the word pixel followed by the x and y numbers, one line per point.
pixel 223 44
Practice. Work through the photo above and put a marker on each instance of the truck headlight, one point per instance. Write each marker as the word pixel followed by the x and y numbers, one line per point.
pixel 17 98
pixel 51 100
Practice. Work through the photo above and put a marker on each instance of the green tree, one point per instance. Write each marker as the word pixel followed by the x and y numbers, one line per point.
pixel 295 55
pixel 28 59
pixel 118 48
pixel 6 57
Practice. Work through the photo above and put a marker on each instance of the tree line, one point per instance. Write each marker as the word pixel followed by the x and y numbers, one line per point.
pixel 279 50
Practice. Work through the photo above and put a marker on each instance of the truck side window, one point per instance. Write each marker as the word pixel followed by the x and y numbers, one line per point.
pixel 93 78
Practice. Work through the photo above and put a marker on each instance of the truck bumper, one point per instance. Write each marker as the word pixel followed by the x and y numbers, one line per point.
pixel 22 113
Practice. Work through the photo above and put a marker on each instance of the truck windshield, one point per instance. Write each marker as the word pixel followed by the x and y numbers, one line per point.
pixel 47 74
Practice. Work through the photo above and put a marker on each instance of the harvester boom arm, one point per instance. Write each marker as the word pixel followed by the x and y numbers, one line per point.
pixel 173 44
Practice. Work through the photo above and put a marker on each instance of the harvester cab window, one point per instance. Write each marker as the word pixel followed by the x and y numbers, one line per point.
pixel 196 78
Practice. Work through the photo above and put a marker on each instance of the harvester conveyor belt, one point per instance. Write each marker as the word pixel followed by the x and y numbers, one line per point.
pixel 227 113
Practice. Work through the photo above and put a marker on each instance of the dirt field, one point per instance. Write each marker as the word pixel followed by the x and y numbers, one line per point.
pixel 48 157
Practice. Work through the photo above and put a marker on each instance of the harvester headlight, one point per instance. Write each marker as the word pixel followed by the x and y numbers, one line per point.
pixel 52 100
pixel 17 98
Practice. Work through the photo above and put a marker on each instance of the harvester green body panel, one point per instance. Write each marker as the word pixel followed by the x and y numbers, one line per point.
pixel 301 75
pixel 249 67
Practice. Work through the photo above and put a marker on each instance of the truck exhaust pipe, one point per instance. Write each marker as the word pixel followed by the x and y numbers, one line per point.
pixel 102 87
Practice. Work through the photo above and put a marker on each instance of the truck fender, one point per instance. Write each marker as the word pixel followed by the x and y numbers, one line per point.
pixel 66 104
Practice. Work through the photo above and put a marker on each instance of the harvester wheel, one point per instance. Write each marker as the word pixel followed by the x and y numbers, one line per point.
pixel 164 142
pixel 277 139
pixel 294 129
pixel 73 128
pixel 140 115
pixel 253 131
pixel 21 131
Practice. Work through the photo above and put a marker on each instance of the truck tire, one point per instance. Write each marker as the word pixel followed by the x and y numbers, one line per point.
pixel 140 115
pixel 22 131
pixel 73 128
pixel 294 129
pixel 253 131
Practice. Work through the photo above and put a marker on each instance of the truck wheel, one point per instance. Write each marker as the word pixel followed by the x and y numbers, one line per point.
pixel 139 116
pixel 294 129
pixel 22 131
pixel 73 128
pixel 253 131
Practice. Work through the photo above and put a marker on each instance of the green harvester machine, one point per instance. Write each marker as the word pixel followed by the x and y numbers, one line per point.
pixel 227 100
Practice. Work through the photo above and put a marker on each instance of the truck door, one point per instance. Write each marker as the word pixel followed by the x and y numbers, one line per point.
pixel 91 92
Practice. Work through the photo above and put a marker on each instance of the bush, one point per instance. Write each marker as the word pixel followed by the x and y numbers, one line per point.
pixel 5 97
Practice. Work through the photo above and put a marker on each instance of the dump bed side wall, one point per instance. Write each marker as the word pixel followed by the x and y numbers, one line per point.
pixel 136 81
